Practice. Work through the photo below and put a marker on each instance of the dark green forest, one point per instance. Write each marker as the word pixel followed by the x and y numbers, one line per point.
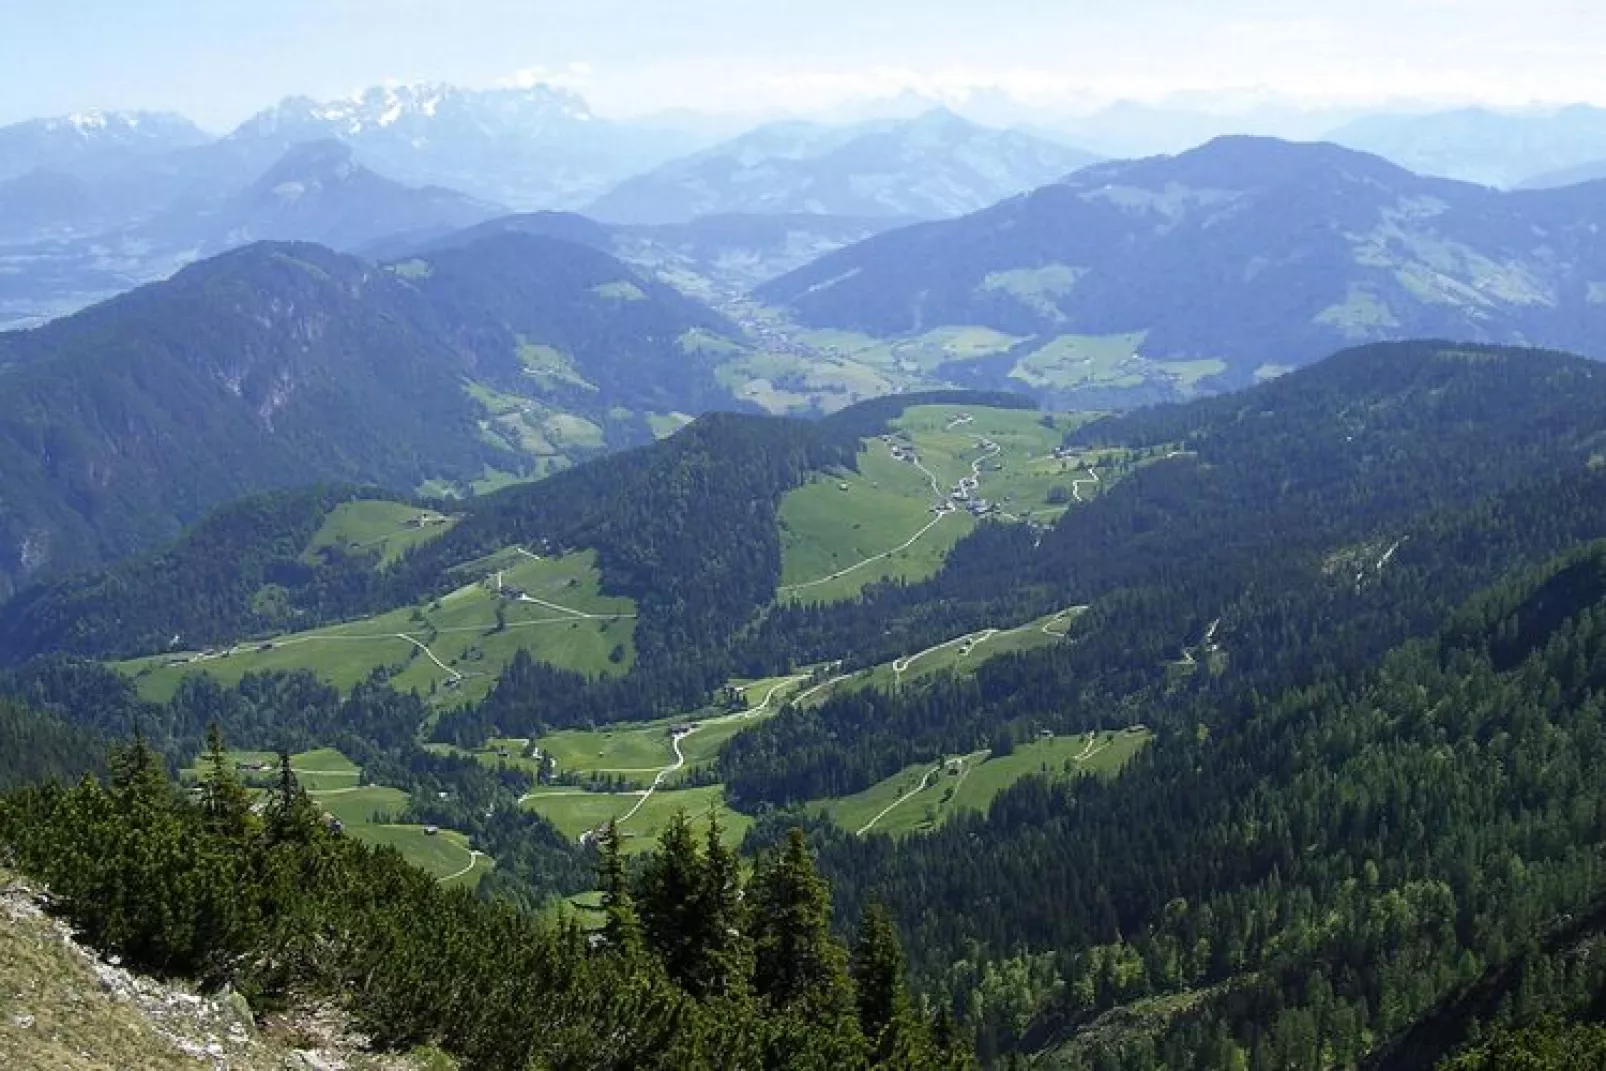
pixel 1362 609
pixel 280 364
pixel 696 966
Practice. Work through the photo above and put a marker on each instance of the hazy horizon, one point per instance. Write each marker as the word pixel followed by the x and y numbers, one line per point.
pixel 218 64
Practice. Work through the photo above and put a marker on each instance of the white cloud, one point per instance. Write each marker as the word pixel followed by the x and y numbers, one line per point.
pixel 576 75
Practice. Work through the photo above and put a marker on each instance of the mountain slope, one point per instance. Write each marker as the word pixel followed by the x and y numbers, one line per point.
pixel 933 166
pixel 1367 785
pixel 527 147
pixel 610 337
pixel 1593 171
pixel 317 193
pixel 93 142
pixel 1478 145
pixel 1255 253
pixel 280 364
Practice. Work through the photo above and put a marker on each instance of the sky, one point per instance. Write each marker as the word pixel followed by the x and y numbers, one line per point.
pixel 219 61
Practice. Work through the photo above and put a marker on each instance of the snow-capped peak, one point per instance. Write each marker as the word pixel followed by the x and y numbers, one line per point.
pixel 95 119
pixel 403 104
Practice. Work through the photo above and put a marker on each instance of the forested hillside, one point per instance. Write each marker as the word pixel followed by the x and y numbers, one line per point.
pixel 686 527
pixel 1294 877
pixel 695 967
pixel 277 365
pixel 1351 618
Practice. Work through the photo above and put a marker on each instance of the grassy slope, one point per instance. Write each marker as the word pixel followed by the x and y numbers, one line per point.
pixel 634 752
pixel 574 812
pixel 979 780
pixel 1107 361
pixel 643 750
pixel 373 524
pixel 959 655
pixel 459 628
pixel 61 1010
pixel 825 529
pixel 842 367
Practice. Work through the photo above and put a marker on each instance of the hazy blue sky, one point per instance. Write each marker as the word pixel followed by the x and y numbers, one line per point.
pixel 219 60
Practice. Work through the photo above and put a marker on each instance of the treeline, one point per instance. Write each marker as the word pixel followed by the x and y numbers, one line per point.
pixel 694 968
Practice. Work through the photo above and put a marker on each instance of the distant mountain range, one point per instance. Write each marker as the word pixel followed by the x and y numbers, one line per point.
pixel 715 258
pixel 280 364
pixel 93 142
pixel 933 166
pixel 1251 255
pixel 535 147
pixel 1593 171
pixel 1478 145
pixel 317 192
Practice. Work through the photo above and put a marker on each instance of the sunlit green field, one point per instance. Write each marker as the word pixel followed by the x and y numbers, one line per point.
pixel 1076 360
pixel 960 655
pixel 848 522
pixel 633 753
pixel 899 805
pixel 921 354
pixel 445 855
pixel 575 812
pixel 372 525
pixel 465 642
pixel 628 750
pixel 825 529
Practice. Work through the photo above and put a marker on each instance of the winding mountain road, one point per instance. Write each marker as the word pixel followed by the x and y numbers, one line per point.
pixel 901 666
pixel 474 857
pixel 925 783
pixel 422 646
pixel 675 739
pixel 971 483
pixel 1076 485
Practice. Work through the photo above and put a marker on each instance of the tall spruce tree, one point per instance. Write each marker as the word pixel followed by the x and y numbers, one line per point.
pixel 622 930
pixel 292 816
pixel 224 801
pixel 796 959
pixel 727 955
pixel 669 898
pixel 879 986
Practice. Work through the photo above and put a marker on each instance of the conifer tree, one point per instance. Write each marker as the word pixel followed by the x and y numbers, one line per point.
pixel 138 776
pixel 727 955
pixel 622 930
pixel 224 801
pixel 292 816
pixel 796 958
pixel 669 900
pixel 879 987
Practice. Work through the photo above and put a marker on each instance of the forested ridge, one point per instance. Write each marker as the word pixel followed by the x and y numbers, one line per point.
pixel 1361 608
pixel 1313 868
pixel 280 364
pixel 686 527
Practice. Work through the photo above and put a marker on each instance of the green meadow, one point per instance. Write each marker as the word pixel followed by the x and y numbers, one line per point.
pixel 924 796
pixel 450 649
